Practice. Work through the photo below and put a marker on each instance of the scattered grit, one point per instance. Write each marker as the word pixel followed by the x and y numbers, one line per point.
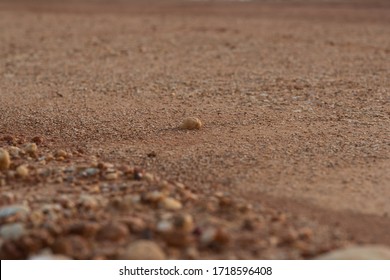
pixel 85 208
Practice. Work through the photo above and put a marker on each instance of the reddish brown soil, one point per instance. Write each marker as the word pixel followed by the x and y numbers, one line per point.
pixel 294 98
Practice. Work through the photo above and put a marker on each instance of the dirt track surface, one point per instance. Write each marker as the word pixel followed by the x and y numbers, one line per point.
pixel 294 99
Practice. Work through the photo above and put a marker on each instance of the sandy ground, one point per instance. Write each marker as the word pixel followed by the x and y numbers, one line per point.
pixel 294 99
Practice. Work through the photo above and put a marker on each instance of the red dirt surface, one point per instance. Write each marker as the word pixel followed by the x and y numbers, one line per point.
pixel 293 157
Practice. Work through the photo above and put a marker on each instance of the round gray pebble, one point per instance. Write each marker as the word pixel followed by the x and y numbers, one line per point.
pixel 12 210
pixel 12 231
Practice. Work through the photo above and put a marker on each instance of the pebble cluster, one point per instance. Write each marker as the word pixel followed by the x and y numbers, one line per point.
pixel 60 204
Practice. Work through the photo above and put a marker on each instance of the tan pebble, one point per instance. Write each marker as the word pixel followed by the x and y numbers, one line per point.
pixel 31 149
pixel 111 176
pixel 61 154
pixel 94 189
pixel 154 196
pixel 184 222
pixel 188 195
pixel 148 177
pixel 124 203
pixel 36 218
pixel 170 204
pixel 367 252
pixel 219 194
pixel 22 171
pixel 165 184
pixel 127 170
pixel 191 123
pixel 113 231
pixel 49 157
pixel 143 250
pixel 180 185
pixel 5 160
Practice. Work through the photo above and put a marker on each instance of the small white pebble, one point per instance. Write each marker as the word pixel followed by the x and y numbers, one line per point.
pixel 208 236
pixel 164 226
